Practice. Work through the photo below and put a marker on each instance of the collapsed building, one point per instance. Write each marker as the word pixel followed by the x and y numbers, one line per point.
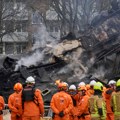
pixel 72 59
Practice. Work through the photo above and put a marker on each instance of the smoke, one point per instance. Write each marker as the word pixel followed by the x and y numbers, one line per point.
pixel 100 72
pixel 41 40
pixel 27 61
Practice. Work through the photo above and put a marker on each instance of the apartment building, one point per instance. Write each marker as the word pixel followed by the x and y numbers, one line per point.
pixel 19 19
pixel 14 19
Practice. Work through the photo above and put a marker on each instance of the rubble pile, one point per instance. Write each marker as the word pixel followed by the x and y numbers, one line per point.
pixel 102 44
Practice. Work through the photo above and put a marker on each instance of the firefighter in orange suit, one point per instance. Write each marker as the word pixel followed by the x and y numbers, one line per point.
pixel 2 103
pixel 73 92
pixel 91 90
pixel 61 103
pixel 32 102
pixel 15 102
pixel 108 96
pixel 83 111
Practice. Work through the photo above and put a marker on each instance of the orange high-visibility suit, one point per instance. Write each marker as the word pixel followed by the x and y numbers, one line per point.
pixel 103 92
pixel 31 110
pixel 108 97
pixel 61 101
pixel 2 103
pixel 15 105
pixel 90 92
pixel 83 113
pixel 73 113
pixel 74 110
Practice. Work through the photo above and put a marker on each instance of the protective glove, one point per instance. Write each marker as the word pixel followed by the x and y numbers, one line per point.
pixel 53 115
pixel 17 116
pixel 100 111
pixel 109 92
pixel 61 114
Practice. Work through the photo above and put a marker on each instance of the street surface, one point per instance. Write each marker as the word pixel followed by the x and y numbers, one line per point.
pixel 6 115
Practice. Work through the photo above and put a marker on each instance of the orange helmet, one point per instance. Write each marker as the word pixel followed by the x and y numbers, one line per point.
pixel 57 82
pixel 18 87
pixel 82 88
pixel 62 86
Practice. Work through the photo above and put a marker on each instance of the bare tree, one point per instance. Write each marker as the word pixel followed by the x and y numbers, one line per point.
pixel 77 14
pixel 13 15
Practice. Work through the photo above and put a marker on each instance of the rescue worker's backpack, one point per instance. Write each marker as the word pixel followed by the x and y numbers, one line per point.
pixel 28 94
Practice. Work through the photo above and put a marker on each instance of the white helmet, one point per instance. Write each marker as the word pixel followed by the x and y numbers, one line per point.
pixel 111 82
pixel 30 79
pixel 81 84
pixel 92 83
pixel 72 87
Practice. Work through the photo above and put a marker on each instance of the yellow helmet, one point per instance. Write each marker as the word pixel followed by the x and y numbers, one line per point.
pixel 98 86
pixel 118 83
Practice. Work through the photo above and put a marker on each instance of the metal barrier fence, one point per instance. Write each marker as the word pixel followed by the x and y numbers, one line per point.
pixel 48 111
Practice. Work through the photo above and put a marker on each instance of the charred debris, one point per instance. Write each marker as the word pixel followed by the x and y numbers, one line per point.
pixel 97 47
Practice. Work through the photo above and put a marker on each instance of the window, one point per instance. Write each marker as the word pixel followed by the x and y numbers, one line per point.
pixel 9 25
pixel 24 26
pixel 9 48
pixel 24 47
pixel 51 29
pixel 36 18
pixel 56 29
pixel 21 26
pixel 1 48
pixel 18 27
pixel 20 47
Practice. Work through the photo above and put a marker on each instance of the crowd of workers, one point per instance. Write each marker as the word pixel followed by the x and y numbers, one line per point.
pixel 91 101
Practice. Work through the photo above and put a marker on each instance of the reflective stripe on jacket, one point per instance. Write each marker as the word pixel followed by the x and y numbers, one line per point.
pixel 96 102
pixel 116 103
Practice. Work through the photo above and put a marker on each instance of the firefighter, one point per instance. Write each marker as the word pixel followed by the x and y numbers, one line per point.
pixel 91 90
pixel 61 103
pixel 2 104
pixel 81 84
pixel 32 102
pixel 97 103
pixel 83 111
pixel 116 101
pixel 67 86
pixel 73 92
pixel 15 102
pixel 108 96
